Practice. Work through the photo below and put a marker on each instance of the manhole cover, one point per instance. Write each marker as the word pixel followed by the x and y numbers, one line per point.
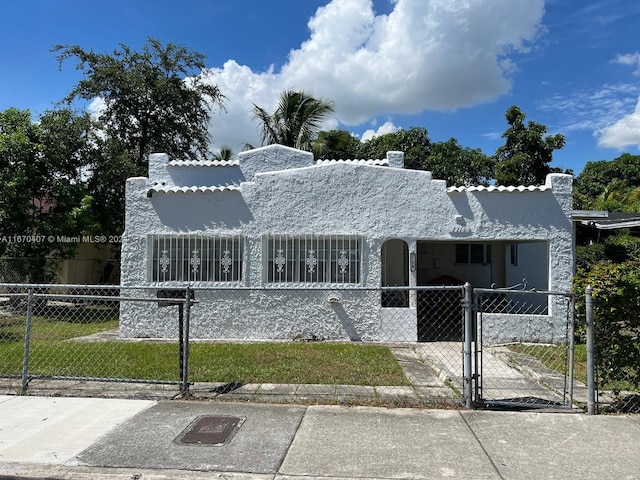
pixel 210 430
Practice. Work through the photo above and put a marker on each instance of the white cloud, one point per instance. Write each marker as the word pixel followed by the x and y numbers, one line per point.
pixel 591 110
pixel 632 59
pixel 623 133
pixel 387 127
pixel 97 107
pixel 424 55
pixel 242 88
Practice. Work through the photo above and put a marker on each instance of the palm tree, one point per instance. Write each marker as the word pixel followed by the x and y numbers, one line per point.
pixel 295 122
pixel 618 196
pixel 225 153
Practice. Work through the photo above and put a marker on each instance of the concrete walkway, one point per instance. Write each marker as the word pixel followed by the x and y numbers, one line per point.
pixel 89 438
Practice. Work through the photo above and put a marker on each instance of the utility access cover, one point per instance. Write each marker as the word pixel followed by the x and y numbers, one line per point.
pixel 210 430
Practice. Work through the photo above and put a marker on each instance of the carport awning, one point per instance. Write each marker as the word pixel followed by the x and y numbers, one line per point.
pixel 615 221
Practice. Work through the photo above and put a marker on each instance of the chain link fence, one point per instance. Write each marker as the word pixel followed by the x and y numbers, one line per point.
pixel 422 346
pixel 57 339
pixel 372 358
pixel 612 352
pixel 54 333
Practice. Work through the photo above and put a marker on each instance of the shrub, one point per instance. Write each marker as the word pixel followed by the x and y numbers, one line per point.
pixel 616 305
pixel 618 248
pixel 621 248
pixel 589 255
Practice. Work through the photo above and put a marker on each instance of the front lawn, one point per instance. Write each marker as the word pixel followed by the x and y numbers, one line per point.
pixel 56 351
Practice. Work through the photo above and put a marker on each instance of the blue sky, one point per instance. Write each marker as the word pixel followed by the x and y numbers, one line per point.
pixel 452 66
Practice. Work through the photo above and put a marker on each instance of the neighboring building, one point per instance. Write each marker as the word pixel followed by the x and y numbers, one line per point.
pixel 91 265
pixel 275 222
pixel 597 226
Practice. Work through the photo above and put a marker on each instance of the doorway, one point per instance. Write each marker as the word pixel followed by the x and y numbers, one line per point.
pixel 440 315
pixel 395 273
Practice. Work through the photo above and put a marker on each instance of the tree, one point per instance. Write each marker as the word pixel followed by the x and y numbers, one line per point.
pixel 336 144
pixel 295 122
pixel 44 197
pixel 525 157
pixel 616 197
pixel 458 165
pixel 109 167
pixel 149 104
pixel 225 153
pixel 609 185
pixel 413 142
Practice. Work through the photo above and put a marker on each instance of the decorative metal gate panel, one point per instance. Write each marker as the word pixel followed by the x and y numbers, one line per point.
pixel 524 347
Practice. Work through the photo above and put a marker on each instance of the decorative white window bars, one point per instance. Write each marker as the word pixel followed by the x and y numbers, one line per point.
pixel 195 258
pixel 313 259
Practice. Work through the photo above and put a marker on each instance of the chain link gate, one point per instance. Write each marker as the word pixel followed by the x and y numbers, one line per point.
pixel 523 349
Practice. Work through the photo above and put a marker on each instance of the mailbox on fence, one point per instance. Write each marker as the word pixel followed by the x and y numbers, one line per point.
pixel 174 296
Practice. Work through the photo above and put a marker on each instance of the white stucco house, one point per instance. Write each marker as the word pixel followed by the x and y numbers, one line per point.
pixel 288 246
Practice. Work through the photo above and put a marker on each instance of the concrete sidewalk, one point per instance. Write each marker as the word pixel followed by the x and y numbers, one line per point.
pixel 90 438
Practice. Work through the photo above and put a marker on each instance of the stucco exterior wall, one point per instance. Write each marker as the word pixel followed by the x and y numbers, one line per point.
pixel 281 191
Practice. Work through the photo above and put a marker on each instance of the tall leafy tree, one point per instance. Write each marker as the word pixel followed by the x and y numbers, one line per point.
pixel 150 104
pixel 414 142
pixel 458 165
pixel 296 120
pixel 158 99
pixel 527 152
pixel 44 198
pixel 609 185
pixel 109 167
pixel 336 144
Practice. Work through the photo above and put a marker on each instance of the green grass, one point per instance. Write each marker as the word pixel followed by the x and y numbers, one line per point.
pixel 55 352
pixel 51 330
pixel 553 357
pixel 302 363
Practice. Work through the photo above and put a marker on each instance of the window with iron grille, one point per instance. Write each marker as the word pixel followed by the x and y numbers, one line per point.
pixel 313 259
pixel 195 258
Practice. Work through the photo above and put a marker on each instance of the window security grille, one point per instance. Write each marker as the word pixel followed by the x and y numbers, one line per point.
pixel 195 258
pixel 313 259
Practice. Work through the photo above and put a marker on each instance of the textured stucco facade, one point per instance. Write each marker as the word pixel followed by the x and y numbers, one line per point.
pixel 279 192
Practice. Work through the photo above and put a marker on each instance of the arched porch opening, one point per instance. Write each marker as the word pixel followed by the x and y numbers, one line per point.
pixel 395 272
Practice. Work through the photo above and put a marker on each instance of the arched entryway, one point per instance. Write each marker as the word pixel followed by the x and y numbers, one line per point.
pixel 395 272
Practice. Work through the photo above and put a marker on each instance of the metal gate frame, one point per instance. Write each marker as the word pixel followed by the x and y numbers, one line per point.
pixel 560 388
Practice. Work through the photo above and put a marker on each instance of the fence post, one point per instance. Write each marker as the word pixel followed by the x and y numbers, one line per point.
pixel 187 317
pixel 572 344
pixel 27 343
pixel 591 384
pixel 468 337
pixel 181 342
